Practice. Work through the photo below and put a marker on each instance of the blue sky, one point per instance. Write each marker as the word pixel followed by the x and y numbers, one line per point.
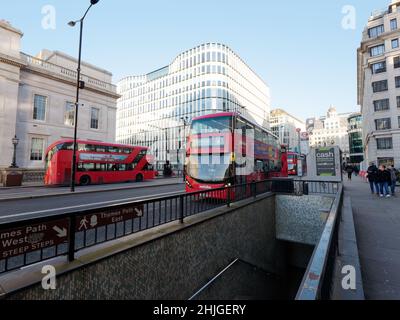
pixel 299 48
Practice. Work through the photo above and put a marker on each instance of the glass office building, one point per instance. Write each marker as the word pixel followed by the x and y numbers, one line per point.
pixel 356 138
pixel 155 109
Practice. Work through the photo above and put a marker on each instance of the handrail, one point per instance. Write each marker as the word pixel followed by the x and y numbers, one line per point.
pixel 133 216
pixel 312 283
pixel 213 279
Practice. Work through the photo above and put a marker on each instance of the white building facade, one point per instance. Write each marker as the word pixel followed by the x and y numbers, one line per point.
pixel 330 130
pixel 285 126
pixel 156 108
pixel 37 101
pixel 379 86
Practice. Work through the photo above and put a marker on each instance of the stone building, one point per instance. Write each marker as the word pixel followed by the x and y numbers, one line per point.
pixel 379 86
pixel 37 101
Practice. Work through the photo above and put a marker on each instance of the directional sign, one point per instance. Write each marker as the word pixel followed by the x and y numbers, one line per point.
pixel 29 238
pixel 106 217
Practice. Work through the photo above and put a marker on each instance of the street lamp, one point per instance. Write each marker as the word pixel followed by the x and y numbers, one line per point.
pixel 80 85
pixel 15 142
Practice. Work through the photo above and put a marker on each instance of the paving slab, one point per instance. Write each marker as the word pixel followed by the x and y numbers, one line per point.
pixel 377 224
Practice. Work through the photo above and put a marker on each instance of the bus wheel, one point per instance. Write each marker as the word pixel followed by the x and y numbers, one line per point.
pixel 139 178
pixel 85 180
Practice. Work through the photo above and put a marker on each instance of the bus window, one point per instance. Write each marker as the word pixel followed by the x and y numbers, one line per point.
pixel 67 146
pixel 86 167
pixel 114 150
pixel 100 149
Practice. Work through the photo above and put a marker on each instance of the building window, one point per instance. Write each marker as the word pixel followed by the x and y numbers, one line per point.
pixel 380 86
pixel 393 24
pixel 37 149
pixel 384 143
pixel 398 101
pixel 379 67
pixel 69 115
pixel 376 31
pixel 94 118
pixel 377 50
pixel 398 120
pixel 395 43
pixel 397 82
pixel 396 62
pixel 386 162
pixel 381 105
pixel 383 124
pixel 39 107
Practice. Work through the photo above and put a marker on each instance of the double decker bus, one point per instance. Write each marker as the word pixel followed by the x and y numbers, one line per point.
pixel 97 163
pixel 217 153
pixel 294 161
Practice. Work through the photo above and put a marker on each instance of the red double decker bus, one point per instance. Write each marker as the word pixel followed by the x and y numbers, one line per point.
pixel 294 161
pixel 97 163
pixel 217 149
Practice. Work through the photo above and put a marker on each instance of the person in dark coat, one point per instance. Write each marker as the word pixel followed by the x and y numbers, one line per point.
pixel 393 175
pixel 384 179
pixel 349 170
pixel 372 178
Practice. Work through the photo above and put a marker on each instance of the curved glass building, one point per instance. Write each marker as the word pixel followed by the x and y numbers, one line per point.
pixel 155 109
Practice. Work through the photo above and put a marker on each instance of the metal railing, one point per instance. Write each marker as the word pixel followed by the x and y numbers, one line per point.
pixel 31 241
pixel 317 281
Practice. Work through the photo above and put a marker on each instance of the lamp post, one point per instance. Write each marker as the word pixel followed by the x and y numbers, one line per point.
pixel 80 85
pixel 15 142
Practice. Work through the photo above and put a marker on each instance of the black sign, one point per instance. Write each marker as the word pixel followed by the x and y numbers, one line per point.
pixel 325 160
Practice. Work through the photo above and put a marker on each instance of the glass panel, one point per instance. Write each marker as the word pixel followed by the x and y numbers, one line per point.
pixel 212 125
pixel 69 116
pixel 39 107
pixel 37 149
pixel 210 168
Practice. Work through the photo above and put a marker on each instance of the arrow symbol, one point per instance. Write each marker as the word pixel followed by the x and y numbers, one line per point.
pixel 61 233
pixel 139 213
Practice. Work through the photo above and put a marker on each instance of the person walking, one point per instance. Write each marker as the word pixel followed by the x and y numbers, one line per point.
pixel 349 170
pixel 372 178
pixel 384 179
pixel 393 179
pixel 357 170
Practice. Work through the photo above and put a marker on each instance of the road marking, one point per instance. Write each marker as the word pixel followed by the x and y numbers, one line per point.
pixel 65 191
pixel 87 205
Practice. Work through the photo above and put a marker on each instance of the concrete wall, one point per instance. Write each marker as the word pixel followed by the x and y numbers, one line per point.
pixel 301 219
pixel 177 263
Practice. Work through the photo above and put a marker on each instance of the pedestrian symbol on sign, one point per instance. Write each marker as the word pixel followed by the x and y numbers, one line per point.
pixel 84 224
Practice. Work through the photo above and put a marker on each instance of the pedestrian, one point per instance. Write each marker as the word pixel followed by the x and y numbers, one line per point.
pixel 384 179
pixel 357 170
pixel 393 179
pixel 349 170
pixel 372 178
